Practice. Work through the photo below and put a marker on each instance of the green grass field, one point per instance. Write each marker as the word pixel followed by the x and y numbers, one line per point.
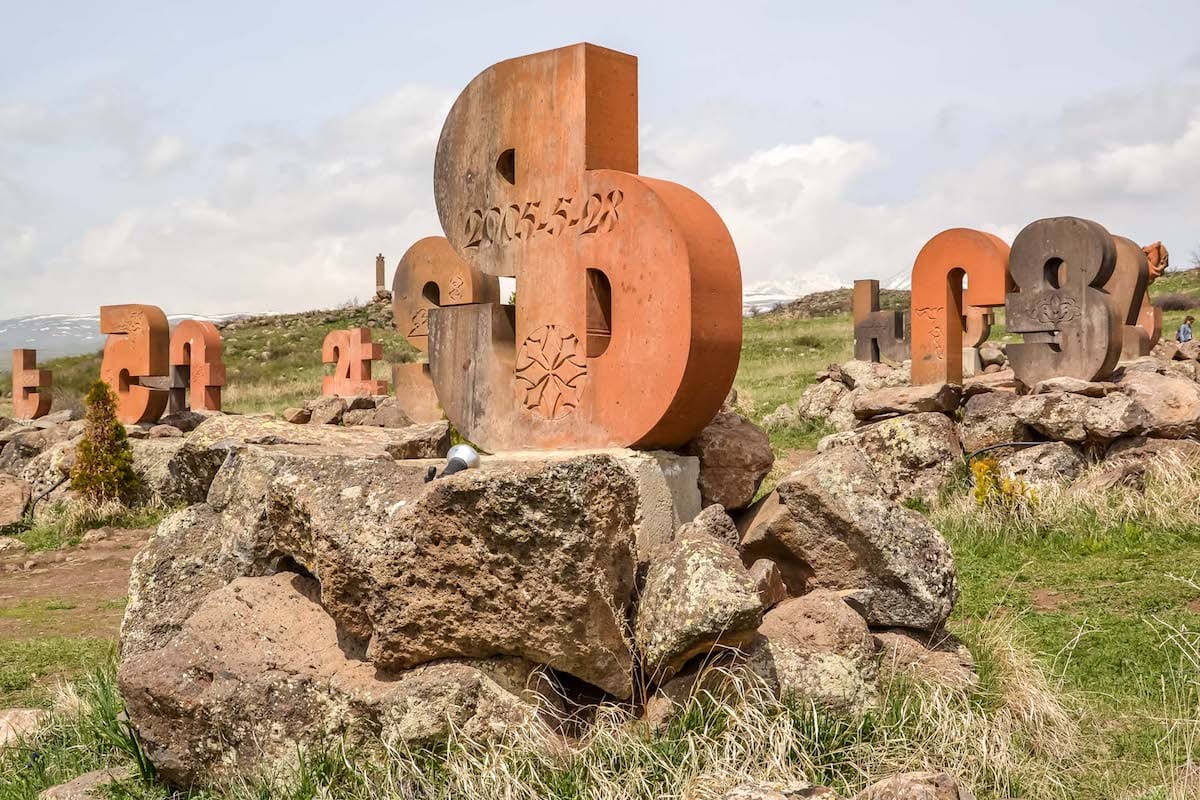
pixel 1102 591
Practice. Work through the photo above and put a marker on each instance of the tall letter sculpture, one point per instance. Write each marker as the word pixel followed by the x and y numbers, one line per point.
pixel 627 327
pixel 1126 288
pixel 1150 316
pixel 30 386
pixel 137 348
pixel 938 314
pixel 196 365
pixel 1069 323
pixel 877 334
pixel 351 352
pixel 430 276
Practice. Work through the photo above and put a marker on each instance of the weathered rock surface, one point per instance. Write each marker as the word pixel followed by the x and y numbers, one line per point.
pixel 173 471
pixel 787 790
pixel 942 398
pixel 161 431
pixel 697 596
pixel 431 440
pixel 1043 464
pixel 820 400
pixel 1064 416
pixel 832 525
pixel 260 669
pixel 88 786
pixel 1075 386
pixel 18 723
pixel 24 443
pixel 297 416
pixel 735 455
pixel 1170 404
pixel 817 649
pixel 914 455
pixel 14 497
pixel 483 563
pixel 916 786
pixel 1143 449
pixel 936 658
pixel 326 411
pixel 228 431
pixel 769 580
pixel 867 375
pixel 988 420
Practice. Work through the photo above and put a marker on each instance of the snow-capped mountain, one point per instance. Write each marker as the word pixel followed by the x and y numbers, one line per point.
pixel 54 335
pixel 765 295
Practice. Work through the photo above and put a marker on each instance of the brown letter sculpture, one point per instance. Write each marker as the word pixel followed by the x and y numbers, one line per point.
pixel 196 364
pixel 627 327
pixel 1126 289
pixel 877 334
pixel 137 348
pixel 351 352
pixel 30 386
pixel 1150 316
pixel 938 314
pixel 1069 323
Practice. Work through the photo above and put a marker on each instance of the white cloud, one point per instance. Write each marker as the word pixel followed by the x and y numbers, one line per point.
pixel 164 154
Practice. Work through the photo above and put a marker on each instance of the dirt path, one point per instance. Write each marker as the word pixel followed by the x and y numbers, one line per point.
pixel 78 592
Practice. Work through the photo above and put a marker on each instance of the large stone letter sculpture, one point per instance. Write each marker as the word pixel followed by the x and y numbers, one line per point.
pixel 1126 289
pixel 627 327
pixel 137 348
pixel 877 334
pixel 351 352
pixel 30 386
pixel 1069 324
pixel 196 365
pixel 429 276
pixel 938 314
pixel 1150 316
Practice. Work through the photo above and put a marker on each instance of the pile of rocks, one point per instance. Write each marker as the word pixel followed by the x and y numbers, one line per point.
pixel 1148 407
pixel 322 589
pixel 375 411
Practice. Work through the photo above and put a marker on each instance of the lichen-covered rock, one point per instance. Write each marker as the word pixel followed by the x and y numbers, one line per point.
pixel 24 443
pixel 817 649
pixel 868 376
pixel 766 576
pixel 162 431
pixel 1068 417
pixel 14 497
pixel 174 472
pixel 1075 386
pixel 482 563
pixel 1170 404
pixel 916 786
pixel 1043 464
pixel 431 440
pixel 943 398
pixel 259 669
pixel 697 596
pixel 326 411
pixel 419 441
pixel 735 455
pixel 832 525
pixel 988 420
pixel 915 456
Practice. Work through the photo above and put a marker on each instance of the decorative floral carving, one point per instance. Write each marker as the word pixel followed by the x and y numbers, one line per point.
pixel 550 372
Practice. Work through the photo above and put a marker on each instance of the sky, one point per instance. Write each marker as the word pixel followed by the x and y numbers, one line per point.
pixel 253 156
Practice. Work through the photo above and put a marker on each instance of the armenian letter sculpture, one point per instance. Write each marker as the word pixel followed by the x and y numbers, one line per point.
pixel 351 352
pixel 196 366
pixel 940 321
pixel 627 325
pixel 30 386
pixel 137 348
pixel 1150 316
pixel 1126 288
pixel 877 334
pixel 1070 324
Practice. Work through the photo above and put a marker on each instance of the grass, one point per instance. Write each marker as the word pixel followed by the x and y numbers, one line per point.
pixel 65 525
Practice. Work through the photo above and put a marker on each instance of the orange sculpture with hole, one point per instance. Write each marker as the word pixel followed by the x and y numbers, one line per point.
pixel 137 348
pixel 939 316
pixel 351 352
pixel 30 386
pixel 627 326
pixel 196 366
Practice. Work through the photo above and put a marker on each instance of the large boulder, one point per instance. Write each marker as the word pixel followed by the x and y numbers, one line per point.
pixel 936 658
pixel 24 443
pixel 259 669
pixel 868 375
pixel 1144 450
pixel 988 419
pixel 14 497
pixel 418 441
pixel 1043 464
pixel 817 649
pixel 818 401
pixel 173 471
pixel 697 596
pixel 486 562
pixel 1070 417
pixel 915 456
pixel 939 397
pixel 1170 404
pixel 735 455
pixel 832 524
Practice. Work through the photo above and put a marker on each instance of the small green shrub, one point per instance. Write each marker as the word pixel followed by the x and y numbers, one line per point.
pixel 103 470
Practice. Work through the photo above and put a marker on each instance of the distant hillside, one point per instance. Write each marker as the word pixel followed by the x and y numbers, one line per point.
pixel 54 335
pixel 835 301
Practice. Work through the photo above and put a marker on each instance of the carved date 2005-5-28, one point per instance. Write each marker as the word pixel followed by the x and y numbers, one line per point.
pixel 499 225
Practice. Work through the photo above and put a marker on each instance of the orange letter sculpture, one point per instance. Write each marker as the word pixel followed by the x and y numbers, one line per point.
pixel 1150 316
pixel 429 276
pixel 939 317
pixel 196 364
pixel 1070 324
pixel 137 348
pixel 30 386
pixel 351 352
pixel 1126 289
pixel 627 327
